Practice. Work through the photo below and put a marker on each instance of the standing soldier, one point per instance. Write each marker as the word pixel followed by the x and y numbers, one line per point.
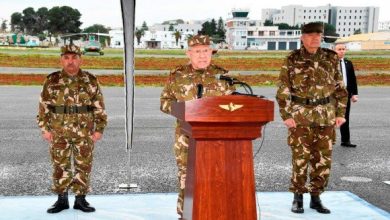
pixel 188 82
pixel 72 118
pixel 312 100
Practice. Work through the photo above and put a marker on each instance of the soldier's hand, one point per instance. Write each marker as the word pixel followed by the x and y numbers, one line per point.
pixel 339 121
pixel 290 123
pixel 96 136
pixel 354 98
pixel 47 136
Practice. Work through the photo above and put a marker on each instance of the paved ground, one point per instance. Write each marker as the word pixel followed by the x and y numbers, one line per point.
pixel 162 206
pixel 25 169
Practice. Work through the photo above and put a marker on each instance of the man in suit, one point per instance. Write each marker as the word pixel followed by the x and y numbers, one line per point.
pixel 349 79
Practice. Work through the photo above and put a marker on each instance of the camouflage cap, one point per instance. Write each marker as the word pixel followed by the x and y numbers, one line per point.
pixel 312 27
pixel 199 40
pixel 70 49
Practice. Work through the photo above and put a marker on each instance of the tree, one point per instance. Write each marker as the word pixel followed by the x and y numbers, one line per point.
pixel 16 22
pixel 29 18
pixel 4 26
pixel 138 34
pixel 330 34
pixel 145 26
pixel 221 32
pixel 96 28
pixel 268 23
pixel 358 31
pixel 41 21
pixel 171 28
pixel 177 35
pixel 208 29
pixel 64 20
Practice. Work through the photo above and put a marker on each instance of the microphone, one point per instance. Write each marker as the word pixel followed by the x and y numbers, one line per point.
pixel 230 80
pixel 200 91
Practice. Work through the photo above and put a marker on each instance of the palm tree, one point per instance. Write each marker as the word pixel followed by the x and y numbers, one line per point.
pixel 177 35
pixel 138 34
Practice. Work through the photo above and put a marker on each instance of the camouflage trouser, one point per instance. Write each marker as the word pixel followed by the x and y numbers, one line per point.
pixel 62 151
pixel 310 145
pixel 181 153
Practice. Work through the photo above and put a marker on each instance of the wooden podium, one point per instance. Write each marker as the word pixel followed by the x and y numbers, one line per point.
pixel 220 182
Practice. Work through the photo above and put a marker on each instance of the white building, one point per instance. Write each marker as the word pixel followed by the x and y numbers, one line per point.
pixel 162 40
pixel 243 33
pixel 346 20
pixel 157 38
pixel 384 26
pixel 116 36
pixel 194 28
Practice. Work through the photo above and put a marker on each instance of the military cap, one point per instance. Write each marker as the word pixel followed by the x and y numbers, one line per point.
pixel 312 27
pixel 71 48
pixel 199 40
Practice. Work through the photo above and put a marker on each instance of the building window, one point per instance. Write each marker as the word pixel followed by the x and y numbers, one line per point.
pixel 261 33
pixel 309 17
pixel 304 11
pixel 355 11
pixel 360 17
pixel 319 17
pixel 320 11
pixel 355 17
pixel 314 17
pixel 350 17
pixel 315 11
pixel 304 17
pixel 272 33
pixel 345 17
pixel 250 33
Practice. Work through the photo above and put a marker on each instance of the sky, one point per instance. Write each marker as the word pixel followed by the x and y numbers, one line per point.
pixel 108 12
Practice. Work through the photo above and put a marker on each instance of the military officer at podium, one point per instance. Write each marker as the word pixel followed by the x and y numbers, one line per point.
pixel 72 118
pixel 312 100
pixel 193 80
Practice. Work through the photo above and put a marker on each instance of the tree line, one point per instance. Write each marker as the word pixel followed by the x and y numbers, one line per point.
pixel 50 22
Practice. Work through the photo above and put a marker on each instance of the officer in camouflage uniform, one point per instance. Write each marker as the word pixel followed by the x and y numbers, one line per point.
pixel 72 118
pixel 312 100
pixel 183 85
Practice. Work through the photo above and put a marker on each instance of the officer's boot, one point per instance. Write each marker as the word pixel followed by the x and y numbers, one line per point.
pixel 82 204
pixel 315 203
pixel 297 205
pixel 61 204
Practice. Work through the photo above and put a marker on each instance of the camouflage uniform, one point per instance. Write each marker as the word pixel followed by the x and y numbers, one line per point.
pixel 71 131
pixel 311 77
pixel 182 86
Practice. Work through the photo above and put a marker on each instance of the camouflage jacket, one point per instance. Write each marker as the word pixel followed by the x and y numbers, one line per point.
pixel 311 76
pixel 182 85
pixel 60 89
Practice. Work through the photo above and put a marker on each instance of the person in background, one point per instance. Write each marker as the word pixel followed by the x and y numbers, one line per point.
pixel 349 78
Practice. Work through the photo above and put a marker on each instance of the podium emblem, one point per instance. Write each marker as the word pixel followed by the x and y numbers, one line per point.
pixel 231 107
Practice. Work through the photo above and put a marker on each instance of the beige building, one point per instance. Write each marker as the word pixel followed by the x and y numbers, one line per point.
pixel 370 41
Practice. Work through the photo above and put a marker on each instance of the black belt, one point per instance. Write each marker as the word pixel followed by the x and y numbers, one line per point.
pixel 70 109
pixel 304 101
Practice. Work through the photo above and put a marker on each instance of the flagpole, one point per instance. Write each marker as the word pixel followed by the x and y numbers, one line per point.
pixel 128 17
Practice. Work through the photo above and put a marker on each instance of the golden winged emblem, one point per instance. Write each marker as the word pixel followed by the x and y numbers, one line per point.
pixel 231 107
